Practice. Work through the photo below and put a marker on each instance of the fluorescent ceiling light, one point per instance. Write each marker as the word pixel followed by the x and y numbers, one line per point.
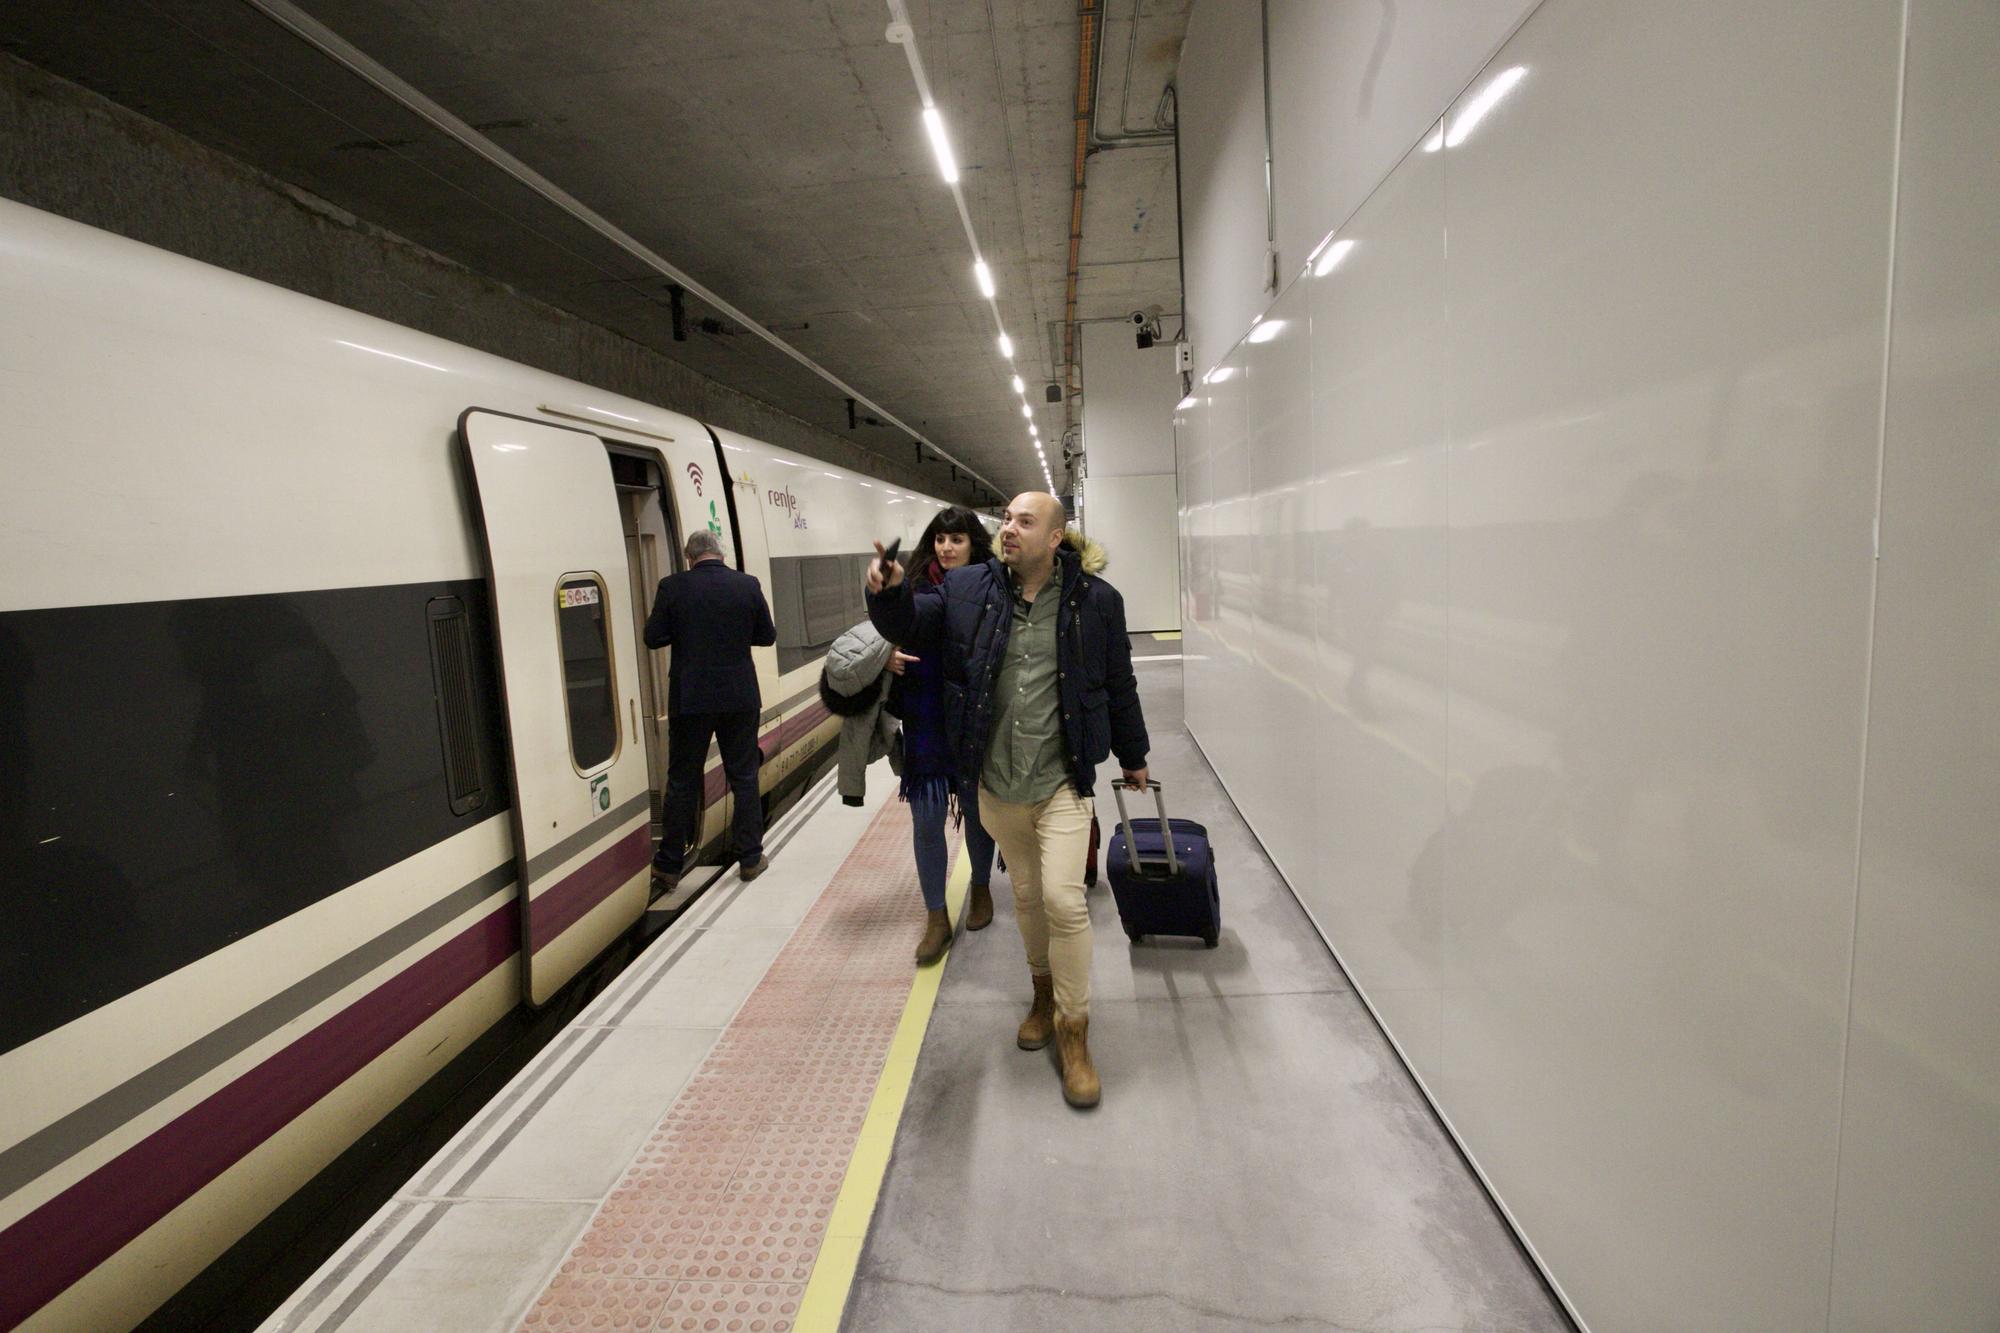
pixel 934 126
pixel 393 356
pixel 985 277
pixel 1018 386
pixel 1027 411
pixel 1006 347
pixel 1263 333
pixel 1033 429
pixel 1330 261
pixel 1487 98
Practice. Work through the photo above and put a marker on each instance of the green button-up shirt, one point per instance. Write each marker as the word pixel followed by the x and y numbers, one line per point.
pixel 1024 755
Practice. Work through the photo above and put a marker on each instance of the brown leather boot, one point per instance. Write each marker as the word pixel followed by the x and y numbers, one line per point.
pixel 1081 1087
pixel 937 938
pixel 979 908
pixel 1040 1024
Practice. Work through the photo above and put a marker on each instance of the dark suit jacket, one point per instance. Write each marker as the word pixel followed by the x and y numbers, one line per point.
pixel 710 616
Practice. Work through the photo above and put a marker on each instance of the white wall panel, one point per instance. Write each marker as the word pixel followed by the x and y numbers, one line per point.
pixel 1353 85
pixel 1663 447
pixel 1589 508
pixel 1919 1186
pixel 1224 224
pixel 1378 487
pixel 1134 519
pixel 1128 402
pixel 1275 709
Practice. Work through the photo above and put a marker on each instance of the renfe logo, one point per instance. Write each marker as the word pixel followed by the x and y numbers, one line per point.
pixel 694 475
pixel 788 502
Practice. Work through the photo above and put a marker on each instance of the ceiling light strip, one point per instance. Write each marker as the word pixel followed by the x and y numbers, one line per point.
pixel 902 33
pixel 317 34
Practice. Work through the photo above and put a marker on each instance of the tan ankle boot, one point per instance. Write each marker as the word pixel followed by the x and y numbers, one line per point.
pixel 1081 1087
pixel 1040 1024
pixel 937 938
pixel 979 910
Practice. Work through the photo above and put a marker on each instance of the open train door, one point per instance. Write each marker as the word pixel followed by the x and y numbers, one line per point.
pixel 555 561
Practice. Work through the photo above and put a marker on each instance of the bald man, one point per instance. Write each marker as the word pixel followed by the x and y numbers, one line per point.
pixel 1039 691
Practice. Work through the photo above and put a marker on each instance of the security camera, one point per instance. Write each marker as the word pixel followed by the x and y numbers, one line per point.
pixel 1140 317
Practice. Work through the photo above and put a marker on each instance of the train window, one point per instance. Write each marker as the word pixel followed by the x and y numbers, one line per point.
pixel 814 599
pixel 457 704
pixel 589 693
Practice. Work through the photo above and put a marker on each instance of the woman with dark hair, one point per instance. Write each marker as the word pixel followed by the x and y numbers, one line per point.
pixel 953 539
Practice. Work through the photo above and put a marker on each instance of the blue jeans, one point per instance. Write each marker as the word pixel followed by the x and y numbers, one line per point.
pixel 928 814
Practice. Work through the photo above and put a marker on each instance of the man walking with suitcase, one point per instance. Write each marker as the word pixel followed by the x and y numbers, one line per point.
pixel 711 616
pixel 1039 691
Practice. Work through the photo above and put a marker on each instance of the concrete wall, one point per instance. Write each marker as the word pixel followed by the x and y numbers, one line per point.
pixel 1594 618
pixel 1129 489
pixel 72 152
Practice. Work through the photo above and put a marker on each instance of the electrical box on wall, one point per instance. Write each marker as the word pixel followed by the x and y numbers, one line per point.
pixel 1184 357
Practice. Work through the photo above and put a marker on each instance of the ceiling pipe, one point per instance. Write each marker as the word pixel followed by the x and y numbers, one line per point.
pixel 317 34
pixel 1127 137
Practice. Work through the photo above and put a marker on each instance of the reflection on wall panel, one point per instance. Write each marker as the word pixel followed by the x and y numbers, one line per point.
pixel 1527 599
pixel 1919 1188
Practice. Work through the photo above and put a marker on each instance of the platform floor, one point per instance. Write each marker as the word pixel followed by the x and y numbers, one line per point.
pixel 1261 1159
pixel 706 1147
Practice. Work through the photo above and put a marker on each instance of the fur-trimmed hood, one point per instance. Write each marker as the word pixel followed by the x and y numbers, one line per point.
pixel 1091 556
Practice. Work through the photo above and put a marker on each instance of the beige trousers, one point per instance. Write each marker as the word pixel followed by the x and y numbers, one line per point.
pixel 1046 845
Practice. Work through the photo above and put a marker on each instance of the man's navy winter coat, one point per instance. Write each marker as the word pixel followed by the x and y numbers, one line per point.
pixel 711 616
pixel 967 620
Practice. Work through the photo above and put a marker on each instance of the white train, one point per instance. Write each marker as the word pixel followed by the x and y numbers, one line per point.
pixel 326 737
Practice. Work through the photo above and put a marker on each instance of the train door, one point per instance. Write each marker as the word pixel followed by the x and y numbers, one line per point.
pixel 556 567
pixel 652 552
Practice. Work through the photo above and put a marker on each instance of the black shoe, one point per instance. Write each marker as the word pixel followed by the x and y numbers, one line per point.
pixel 663 883
pixel 751 872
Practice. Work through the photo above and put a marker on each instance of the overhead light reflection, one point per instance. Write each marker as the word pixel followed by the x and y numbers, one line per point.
pixel 1006 347
pixel 393 356
pixel 1487 98
pixel 1184 404
pixel 1436 141
pixel 985 277
pixel 1218 375
pixel 1027 411
pixel 1019 387
pixel 1330 261
pixel 1266 331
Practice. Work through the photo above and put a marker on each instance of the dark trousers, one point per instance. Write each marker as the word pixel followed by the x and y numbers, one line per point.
pixel 687 753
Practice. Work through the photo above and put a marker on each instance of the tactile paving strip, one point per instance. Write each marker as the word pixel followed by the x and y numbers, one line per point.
pixel 715 1226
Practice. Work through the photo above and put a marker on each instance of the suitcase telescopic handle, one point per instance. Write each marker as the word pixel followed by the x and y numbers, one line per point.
pixel 1166 826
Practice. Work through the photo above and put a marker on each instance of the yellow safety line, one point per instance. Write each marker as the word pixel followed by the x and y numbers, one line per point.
pixel 825 1300
pixel 1167 635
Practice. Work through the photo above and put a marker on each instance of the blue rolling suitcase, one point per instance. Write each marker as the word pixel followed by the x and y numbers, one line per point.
pixel 1164 885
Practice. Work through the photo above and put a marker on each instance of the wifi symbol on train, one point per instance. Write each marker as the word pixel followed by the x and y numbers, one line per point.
pixel 694 475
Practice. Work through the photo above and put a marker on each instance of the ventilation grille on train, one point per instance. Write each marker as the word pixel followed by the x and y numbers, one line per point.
pixel 451 674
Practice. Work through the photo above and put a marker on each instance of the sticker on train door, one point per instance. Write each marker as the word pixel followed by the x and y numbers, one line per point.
pixel 600 795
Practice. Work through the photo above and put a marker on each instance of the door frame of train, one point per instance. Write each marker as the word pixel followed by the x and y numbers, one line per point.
pixel 676 561
pixel 603 860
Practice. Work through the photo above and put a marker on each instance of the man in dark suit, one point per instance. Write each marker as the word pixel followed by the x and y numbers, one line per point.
pixel 710 615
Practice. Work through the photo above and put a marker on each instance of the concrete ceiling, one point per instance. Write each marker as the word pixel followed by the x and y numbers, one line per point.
pixel 771 150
